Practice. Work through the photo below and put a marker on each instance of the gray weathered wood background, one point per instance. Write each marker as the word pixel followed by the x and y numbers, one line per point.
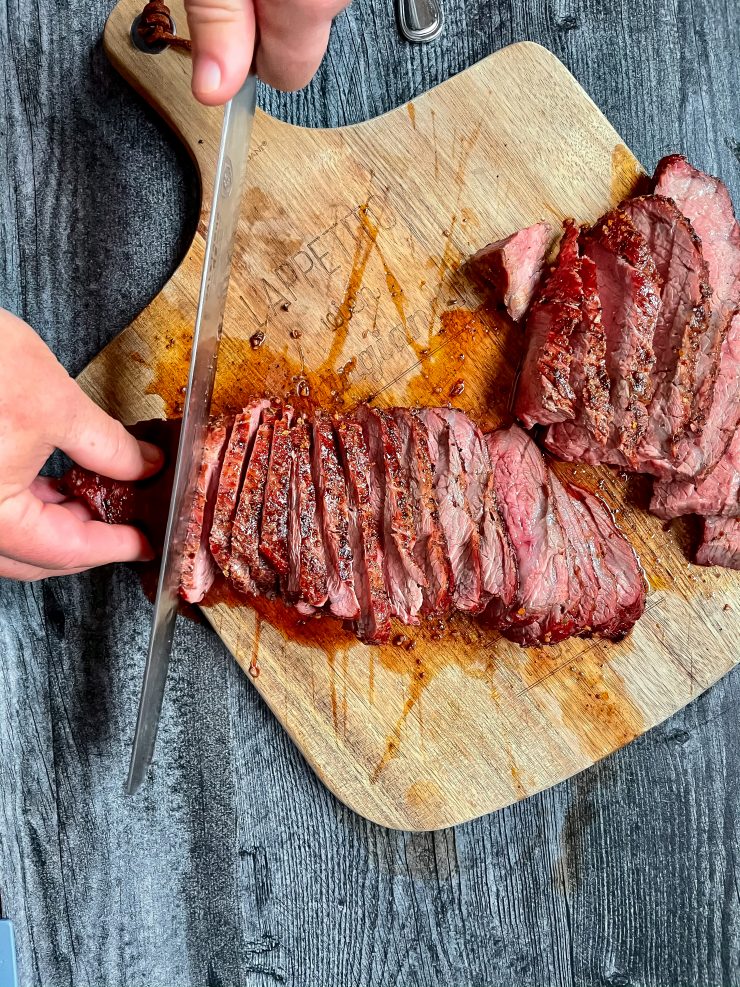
pixel 236 867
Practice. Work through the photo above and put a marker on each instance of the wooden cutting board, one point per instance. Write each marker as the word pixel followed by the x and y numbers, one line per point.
pixel 349 262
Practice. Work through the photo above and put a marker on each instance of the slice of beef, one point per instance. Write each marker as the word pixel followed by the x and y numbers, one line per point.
pixel 618 559
pixel 706 203
pixel 720 543
pixel 583 576
pixel 718 493
pixel 430 550
pixel 198 567
pixel 274 531
pixel 589 378
pixel 629 291
pixel 544 394
pixel 248 571
pixel 498 566
pixel 682 322
pixel 373 626
pixel 606 605
pixel 716 490
pixel 513 266
pixel 404 578
pixel 143 503
pixel 230 481
pixel 541 607
pixel 629 288
pixel 331 491
pixel 461 532
pixel 307 578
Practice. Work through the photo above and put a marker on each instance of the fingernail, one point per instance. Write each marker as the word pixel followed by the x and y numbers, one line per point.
pixel 152 455
pixel 206 76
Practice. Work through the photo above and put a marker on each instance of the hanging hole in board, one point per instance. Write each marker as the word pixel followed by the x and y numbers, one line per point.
pixel 154 49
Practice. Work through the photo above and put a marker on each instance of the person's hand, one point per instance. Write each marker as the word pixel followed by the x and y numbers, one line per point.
pixel 291 40
pixel 42 408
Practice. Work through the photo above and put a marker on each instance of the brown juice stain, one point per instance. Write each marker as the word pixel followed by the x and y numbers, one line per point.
pixel 363 248
pixel 626 173
pixel 461 642
pixel 434 144
pixel 412 114
pixel 601 715
pixel 254 669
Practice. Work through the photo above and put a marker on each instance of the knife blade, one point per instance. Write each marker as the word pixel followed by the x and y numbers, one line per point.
pixel 227 195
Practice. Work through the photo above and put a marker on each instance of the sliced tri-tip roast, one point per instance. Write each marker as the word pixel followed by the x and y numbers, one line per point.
pixel 648 377
pixel 402 514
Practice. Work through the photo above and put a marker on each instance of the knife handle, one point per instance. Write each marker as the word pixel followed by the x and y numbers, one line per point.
pixel 420 20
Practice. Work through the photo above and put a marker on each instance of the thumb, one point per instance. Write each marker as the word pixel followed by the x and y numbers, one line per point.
pixel 222 32
pixel 99 443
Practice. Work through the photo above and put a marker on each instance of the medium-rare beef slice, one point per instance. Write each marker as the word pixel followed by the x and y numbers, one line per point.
pixel 606 605
pixel 513 266
pixel 198 567
pixel 522 484
pixel 430 550
pixel 275 510
pixel 629 291
pixel 461 532
pixel 331 491
pixel 716 491
pixel 373 626
pixel 404 578
pixel 582 572
pixel 544 394
pixel 706 203
pixel 248 571
pixel 230 482
pixel 720 543
pixel 307 581
pixel 619 560
pixel 589 378
pixel 498 567
pixel 682 322
pixel 143 503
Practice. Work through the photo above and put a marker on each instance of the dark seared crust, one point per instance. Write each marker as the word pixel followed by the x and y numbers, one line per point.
pixel 230 481
pixel 720 543
pixel 334 517
pixel 630 356
pixel 588 374
pixel 248 571
pixel 430 550
pixel 460 530
pixel 198 568
pixel 706 203
pixel 618 559
pixel 307 583
pixel 274 532
pixel 682 322
pixel 544 394
pixel 404 579
pixel 373 626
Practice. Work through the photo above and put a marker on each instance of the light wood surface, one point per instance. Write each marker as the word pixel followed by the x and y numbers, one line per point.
pixel 355 238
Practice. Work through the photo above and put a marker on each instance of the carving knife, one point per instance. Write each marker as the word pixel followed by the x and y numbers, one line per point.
pixel 231 170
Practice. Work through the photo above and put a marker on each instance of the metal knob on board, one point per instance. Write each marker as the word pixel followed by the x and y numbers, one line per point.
pixel 420 20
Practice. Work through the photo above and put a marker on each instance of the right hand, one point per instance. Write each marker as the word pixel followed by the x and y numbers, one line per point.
pixel 42 408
